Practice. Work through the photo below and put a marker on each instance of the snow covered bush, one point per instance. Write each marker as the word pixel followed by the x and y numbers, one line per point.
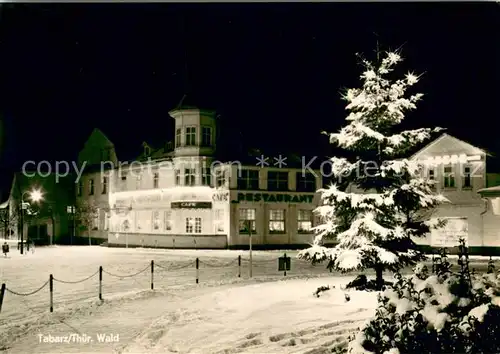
pixel 375 225
pixel 441 313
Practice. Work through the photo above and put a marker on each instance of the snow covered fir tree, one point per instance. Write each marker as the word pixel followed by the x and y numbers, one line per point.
pixel 375 223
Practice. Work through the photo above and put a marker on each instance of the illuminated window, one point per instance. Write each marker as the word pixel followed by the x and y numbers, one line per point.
pixel 449 178
pixel 304 221
pixel 247 221
pixel 277 221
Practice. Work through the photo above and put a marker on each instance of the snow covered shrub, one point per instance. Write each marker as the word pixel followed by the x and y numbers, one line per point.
pixel 491 266
pixel 441 313
pixel 361 282
pixel 320 289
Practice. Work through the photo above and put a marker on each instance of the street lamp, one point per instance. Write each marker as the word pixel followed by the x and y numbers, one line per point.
pixel 35 196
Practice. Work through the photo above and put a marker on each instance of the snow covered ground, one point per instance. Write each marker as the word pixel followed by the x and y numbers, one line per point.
pixel 221 314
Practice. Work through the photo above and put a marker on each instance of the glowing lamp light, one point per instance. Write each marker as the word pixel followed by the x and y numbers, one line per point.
pixel 36 195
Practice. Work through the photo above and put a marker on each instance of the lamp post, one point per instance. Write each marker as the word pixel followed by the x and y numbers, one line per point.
pixel 35 196
pixel 249 227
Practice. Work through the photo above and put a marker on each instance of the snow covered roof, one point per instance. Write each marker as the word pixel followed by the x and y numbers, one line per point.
pixel 445 136
pixel 4 205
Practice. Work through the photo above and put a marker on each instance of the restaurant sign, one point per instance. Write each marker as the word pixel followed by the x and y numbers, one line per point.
pixel 191 205
pixel 274 198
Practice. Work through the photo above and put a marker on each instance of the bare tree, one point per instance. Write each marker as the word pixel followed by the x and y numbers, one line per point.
pixel 8 222
pixel 86 213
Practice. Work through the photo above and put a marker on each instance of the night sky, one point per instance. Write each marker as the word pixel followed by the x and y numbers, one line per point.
pixel 274 72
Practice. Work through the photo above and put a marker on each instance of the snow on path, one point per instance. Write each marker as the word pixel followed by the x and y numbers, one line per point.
pixel 275 317
pixel 278 317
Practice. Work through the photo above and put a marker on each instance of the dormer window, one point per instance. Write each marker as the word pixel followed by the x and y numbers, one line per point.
pixel 147 150
pixel 190 136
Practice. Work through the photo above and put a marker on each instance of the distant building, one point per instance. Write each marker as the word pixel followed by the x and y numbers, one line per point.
pixel 44 222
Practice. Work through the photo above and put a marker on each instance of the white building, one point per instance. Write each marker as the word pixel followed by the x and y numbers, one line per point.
pixel 180 196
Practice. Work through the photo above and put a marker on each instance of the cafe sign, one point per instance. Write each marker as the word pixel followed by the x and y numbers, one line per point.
pixel 274 198
pixel 191 205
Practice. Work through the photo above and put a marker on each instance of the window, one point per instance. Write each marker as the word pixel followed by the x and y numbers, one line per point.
pixel 467 177
pixel 197 225
pixel 277 181
pixel 206 136
pixel 206 177
pixel 189 177
pixel 125 225
pixel 432 177
pixel 79 189
pixel 304 221
pixel 247 221
pixel 177 174
pixel 449 178
pixel 95 220
pixel 123 180
pixel 91 186
pixel 138 180
pixel 193 225
pixel 306 182
pixel 190 136
pixel 168 220
pixel 219 220
pixel 106 221
pixel 138 221
pixel 156 178
pixel 147 151
pixel 104 185
pixel 178 134
pixel 221 178
pixel 248 179
pixel 156 220
pixel 277 221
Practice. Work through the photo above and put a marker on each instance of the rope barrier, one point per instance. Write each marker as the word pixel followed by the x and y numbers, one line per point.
pixel 27 294
pixel 128 275
pixel 176 268
pixel 78 281
pixel 219 265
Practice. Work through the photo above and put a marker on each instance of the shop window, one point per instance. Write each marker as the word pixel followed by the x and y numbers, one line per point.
pixel 247 221
pixel 156 220
pixel 193 225
pixel 304 221
pixel 277 221
pixel 168 220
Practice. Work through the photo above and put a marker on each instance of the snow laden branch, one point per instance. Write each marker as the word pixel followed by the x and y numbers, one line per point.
pixel 374 226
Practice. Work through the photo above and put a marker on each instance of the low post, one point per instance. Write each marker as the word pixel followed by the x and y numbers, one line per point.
pixel 51 289
pixel 152 273
pixel 284 258
pixel 100 282
pixel 197 270
pixel 239 266
pixel 2 293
